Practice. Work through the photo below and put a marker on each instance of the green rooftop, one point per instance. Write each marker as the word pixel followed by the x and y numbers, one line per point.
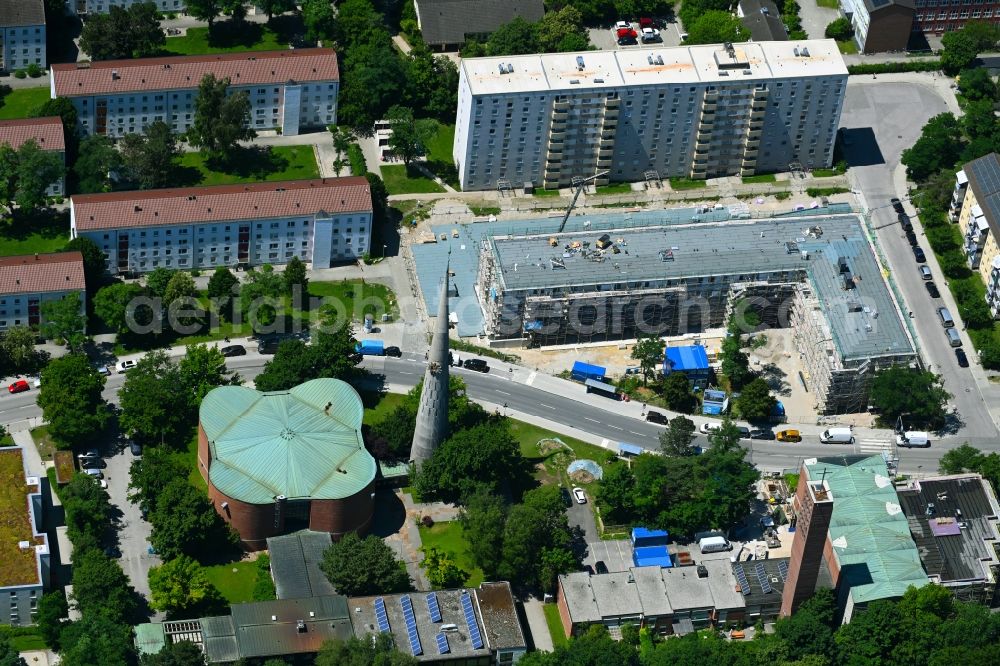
pixel 302 443
pixel 869 532
pixel 18 566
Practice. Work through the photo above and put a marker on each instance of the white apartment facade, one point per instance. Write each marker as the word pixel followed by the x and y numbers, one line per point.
pixel 694 112
pixel 47 133
pixel 104 6
pixel 322 222
pixel 22 31
pixel 288 90
pixel 26 282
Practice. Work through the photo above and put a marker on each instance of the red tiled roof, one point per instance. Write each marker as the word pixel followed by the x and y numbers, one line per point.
pixel 245 68
pixel 117 210
pixel 33 274
pixel 47 132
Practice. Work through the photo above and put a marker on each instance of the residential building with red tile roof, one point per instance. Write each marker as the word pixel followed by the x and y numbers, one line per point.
pixel 288 90
pixel 22 34
pixel 321 222
pixel 30 280
pixel 46 132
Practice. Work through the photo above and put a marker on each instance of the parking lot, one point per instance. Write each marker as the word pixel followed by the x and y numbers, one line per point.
pixel 605 39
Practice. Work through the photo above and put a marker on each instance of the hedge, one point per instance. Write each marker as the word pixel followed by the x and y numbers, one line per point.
pixel 895 67
pixel 356 158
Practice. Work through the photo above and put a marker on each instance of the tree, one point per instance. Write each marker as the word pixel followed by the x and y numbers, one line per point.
pixel 62 107
pixel 810 629
pixel 616 490
pixel 88 512
pixel 63 319
pixel 123 33
pixel 318 18
pixel 17 351
pixel 221 120
pixel 378 649
pixel 98 160
pixel 714 27
pixel 960 47
pixel 180 653
pixel 97 640
pixel 676 393
pixel 295 275
pixel 181 588
pixel 594 648
pixel 153 408
pixel 331 355
pixel 756 402
pixel 111 304
pixel 52 612
pixel 409 137
pixel 71 401
pixel 185 523
pixel 963 459
pixel 100 587
pixel 361 567
pixel 221 289
pixel 260 296
pixel 204 10
pixel 9 655
pixel 235 9
pixel 562 31
pixel 181 292
pixel 514 38
pixel 482 519
pixel 395 431
pixel 432 84
pixel 158 280
pixel 648 350
pixel 977 84
pixel 840 29
pixel 939 146
pixel 735 363
pixel 95 263
pixel 442 571
pixel 916 395
pixel 151 474
pixel 675 440
pixel 36 170
pixel 536 525
pixel 149 159
pixel 373 76
pixel 272 7
pixel 8 176
pixel 202 369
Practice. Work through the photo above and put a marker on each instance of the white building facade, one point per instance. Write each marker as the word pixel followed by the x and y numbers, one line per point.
pixel 104 6
pixel 22 31
pixel 322 222
pixel 693 112
pixel 26 282
pixel 288 90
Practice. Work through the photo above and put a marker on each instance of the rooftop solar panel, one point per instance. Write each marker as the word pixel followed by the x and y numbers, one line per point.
pixel 741 577
pixel 411 625
pixel 443 647
pixel 475 636
pixel 433 608
pixel 381 616
pixel 765 584
pixel 783 570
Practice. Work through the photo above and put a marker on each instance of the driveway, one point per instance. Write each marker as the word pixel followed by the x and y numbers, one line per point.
pixel 815 18
pixel 133 531
pixel 617 555
pixel 582 516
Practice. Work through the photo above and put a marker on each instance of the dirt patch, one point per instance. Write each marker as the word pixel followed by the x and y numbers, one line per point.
pixel 582 476
pixel 547 446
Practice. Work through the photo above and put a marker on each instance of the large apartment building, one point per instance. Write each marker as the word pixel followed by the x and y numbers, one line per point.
pixel 26 282
pixel 104 6
pixel 288 90
pixel 695 112
pixel 319 221
pixel 22 31
pixel 940 16
pixel 46 132
pixel 879 25
pixel 975 205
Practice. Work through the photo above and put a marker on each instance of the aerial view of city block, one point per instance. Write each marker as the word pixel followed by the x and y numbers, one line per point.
pixel 475 332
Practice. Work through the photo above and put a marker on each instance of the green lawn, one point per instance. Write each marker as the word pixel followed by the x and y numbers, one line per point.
pixel 401 180
pixel 539 192
pixel 448 538
pixel 439 159
pixel 22 102
pixel 686 184
pixel 615 188
pixel 43 442
pixel 251 37
pixel 251 166
pixel 46 233
pixel 829 4
pixel 529 435
pixel 386 403
pixel 848 47
pixel 759 178
pixel 555 624
pixel 235 580
pixel 358 297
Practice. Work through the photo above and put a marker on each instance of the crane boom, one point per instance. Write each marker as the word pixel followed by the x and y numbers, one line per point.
pixel 576 195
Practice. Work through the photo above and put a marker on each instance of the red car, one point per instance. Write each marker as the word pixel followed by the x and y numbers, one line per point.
pixel 18 386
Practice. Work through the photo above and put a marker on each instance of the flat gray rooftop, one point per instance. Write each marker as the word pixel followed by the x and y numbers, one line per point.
pixel 863 320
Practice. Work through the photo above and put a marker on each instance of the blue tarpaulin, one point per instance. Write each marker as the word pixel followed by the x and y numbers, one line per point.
pixel 583 371
pixel 370 347
pixel 691 358
pixel 643 537
pixel 625 449
pixel 652 556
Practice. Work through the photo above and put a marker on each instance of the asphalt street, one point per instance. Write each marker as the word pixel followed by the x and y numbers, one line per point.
pixel 880 119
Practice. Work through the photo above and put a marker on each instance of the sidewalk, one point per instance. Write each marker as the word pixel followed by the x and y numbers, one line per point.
pixel 539 628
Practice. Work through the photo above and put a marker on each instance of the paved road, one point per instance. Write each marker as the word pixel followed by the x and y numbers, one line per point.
pixel 883 118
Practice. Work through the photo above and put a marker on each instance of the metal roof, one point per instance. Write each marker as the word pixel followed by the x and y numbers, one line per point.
pixel 302 443
pixel 149 638
pixel 258 635
pixel 449 21
pixel 295 562
pixel 688 357
pixel 869 532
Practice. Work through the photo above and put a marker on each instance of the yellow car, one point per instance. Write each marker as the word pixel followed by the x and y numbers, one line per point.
pixel 789 436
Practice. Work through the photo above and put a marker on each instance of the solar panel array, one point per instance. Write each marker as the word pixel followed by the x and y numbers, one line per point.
pixel 765 584
pixel 783 569
pixel 443 647
pixel 381 616
pixel 411 625
pixel 433 608
pixel 741 578
pixel 470 619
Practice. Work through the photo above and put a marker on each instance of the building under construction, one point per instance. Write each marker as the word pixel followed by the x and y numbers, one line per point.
pixel 818 274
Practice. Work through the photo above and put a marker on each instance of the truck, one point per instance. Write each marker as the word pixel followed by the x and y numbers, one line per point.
pixel 714 544
pixel 912 438
pixel 370 348
pixel 837 436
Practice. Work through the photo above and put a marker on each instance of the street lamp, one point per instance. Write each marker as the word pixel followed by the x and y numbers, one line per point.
pixel 383 250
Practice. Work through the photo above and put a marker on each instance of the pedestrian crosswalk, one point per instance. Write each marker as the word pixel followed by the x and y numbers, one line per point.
pixel 873 446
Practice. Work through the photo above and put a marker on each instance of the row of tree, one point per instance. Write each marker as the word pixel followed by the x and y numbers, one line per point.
pixel 557 32
pixel 710 22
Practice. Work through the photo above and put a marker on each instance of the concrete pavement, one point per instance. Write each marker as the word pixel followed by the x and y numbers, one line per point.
pixel 537 626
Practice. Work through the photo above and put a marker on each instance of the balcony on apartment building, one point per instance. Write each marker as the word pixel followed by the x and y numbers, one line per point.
pixel 993 288
pixel 958 195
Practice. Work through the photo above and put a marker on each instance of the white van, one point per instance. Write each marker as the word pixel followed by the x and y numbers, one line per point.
pixel 914 438
pixel 837 436
pixel 714 544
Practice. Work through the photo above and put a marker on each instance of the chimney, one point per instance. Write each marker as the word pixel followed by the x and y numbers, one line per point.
pixel 114 75
pixel 814 508
pixel 300 627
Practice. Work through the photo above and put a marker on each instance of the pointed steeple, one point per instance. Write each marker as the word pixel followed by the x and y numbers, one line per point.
pixel 432 416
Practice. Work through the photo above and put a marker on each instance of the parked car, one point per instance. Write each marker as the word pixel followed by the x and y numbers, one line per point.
pixel 623 25
pixel 762 433
pixel 93 472
pixel 135 447
pixel 234 350
pixel 904 221
pixel 267 345
pixel 707 428
pixel 581 497
pixel 744 432
pixel 600 567
pixel 918 254
pixel 92 463
pixel 393 351
pixel 650 35
pixel 932 290
pixel 925 272
pixel 92 453
pixel 963 360
pixel 656 417
pixel 125 366
pixel 102 369
pixel 897 205
pixel 789 436
pixel 911 237
pixel 477 364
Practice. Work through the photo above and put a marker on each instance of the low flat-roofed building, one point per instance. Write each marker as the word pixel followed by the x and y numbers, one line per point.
pixel 26 282
pixel 677 600
pixel 24 552
pixel 473 626
pixel 295 562
pixel 954 522
pixel 763 19
pixel 447 24
pixel 762 583
pixel 47 133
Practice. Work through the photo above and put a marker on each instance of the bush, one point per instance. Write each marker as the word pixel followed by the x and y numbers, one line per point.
pixel 895 67
pixel 427 521
pixel 840 29
pixel 825 191
pixel 34 70
pixel 356 158
pixel 19 74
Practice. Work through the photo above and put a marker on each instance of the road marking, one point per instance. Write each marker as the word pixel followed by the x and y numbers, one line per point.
pixel 590 419
pixel 615 427
pixel 544 405
pixel 531 378
pixel 501 392
pixel 635 433
pixel 403 372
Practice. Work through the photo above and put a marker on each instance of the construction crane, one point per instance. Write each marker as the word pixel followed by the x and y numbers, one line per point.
pixel 576 195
